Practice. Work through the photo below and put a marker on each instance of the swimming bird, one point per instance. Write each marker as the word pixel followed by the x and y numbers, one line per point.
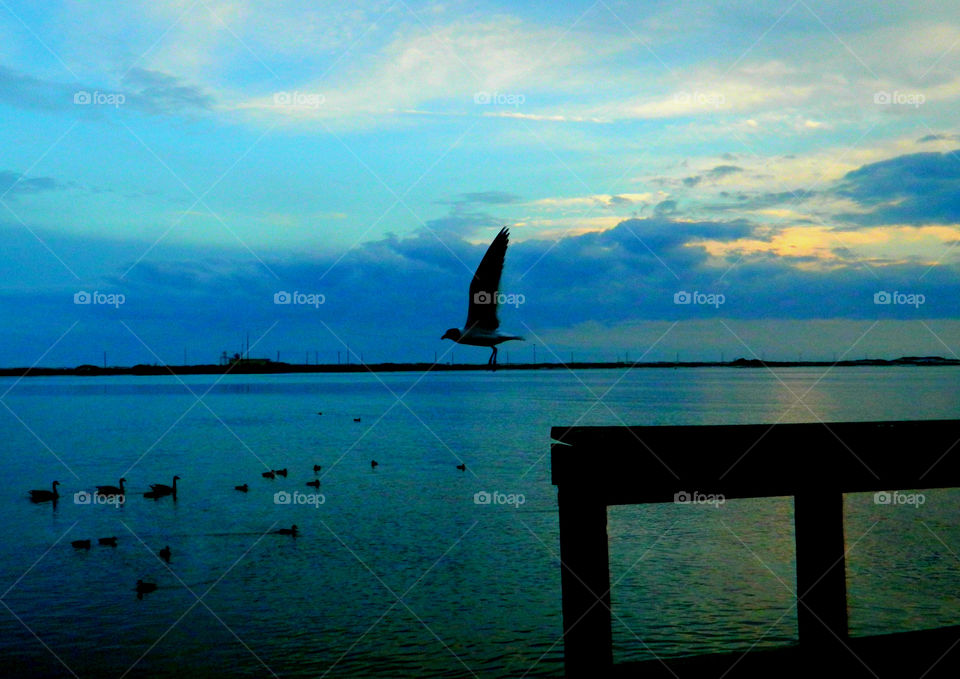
pixel 45 495
pixel 317 468
pixel 81 544
pixel 111 490
pixel 109 542
pixel 268 475
pixel 243 489
pixel 356 419
pixel 315 483
pixel 462 467
pixel 319 412
pixel 373 464
pixel 287 531
pixel 162 489
pixel 144 588
pixel 481 329
pixel 165 553
pixel 281 472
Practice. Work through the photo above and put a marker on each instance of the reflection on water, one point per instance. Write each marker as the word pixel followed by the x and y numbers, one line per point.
pixel 398 571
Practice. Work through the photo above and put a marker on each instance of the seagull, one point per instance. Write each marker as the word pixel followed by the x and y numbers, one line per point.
pixel 45 495
pixel 482 322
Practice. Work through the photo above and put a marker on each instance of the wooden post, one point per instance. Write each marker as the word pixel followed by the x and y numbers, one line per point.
pixel 821 571
pixel 585 583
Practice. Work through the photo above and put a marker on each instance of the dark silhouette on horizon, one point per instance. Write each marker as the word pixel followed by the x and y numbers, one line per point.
pixel 80 544
pixel 269 475
pixel 108 542
pixel 315 483
pixel 243 489
pixel 144 588
pixel 373 464
pixel 462 467
pixel 281 472
pixel 287 531
pixel 481 329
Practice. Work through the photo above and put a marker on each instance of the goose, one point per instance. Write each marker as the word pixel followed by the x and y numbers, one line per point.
pixel 317 468
pixel 109 542
pixel 462 467
pixel 144 588
pixel 268 475
pixel 315 483
pixel 243 489
pixel 81 544
pixel 481 328
pixel 287 531
pixel 162 489
pixel 282 472
pixel 319 412
pixel 165 553
pixel 373 464
pixel 45 495
pixel 111 490
pixel 356 419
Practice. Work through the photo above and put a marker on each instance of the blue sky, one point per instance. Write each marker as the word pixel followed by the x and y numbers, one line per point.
pixel 796 158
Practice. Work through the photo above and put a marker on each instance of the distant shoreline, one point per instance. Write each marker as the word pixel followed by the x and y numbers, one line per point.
pixel 265 367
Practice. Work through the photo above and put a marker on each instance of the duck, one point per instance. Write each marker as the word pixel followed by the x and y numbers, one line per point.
pixel 373 464
pixel 317 468
pixel 356 419
pixel 281 472
pixel 315 483
pixel 268 475
pixel 144 588
pixel 45 495
pixel 319 412
pixel 462 467
pixel 111 490
pixel 81 544
pixel 109 542
pixel 243 489
pixel 287 531
pixel 165 553
pixel 162 489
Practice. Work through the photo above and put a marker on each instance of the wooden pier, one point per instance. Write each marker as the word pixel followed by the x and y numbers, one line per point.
pixel 596 467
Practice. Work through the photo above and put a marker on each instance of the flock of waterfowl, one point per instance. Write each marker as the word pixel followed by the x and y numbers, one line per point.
pixel 158 490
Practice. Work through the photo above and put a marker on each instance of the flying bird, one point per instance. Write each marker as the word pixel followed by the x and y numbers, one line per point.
pixel 481 329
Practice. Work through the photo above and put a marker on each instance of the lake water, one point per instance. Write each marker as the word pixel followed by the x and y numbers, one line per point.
pixel 399 572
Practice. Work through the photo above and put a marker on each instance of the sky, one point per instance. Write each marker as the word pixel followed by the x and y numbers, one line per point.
pixel 692 180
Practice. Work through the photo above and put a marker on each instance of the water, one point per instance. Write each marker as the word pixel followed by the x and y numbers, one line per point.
pixel 399 571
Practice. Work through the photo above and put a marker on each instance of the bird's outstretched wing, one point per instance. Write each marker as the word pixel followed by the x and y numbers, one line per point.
pixel 482 311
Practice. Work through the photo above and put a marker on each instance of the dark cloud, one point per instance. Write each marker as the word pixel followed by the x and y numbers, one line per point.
pixel 487 198
pixel 665 207
pixel 938 137
pixel 723 170
pixel 158 92
pixel 12 183
pixel 918 188
pixel 692 181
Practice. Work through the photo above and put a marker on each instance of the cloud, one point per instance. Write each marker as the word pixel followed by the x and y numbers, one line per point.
pixel 12 183
pixel 157 92
pixel 917 188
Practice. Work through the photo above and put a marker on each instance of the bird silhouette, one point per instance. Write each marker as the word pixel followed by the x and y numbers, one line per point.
pixel 287 531
pixel 45 495
pixel 373 464
pixel 482 326
pixel 160 489
pixel 243 489
pixel 315 483
pixel 111 490
pixel 81 544
pixel 165 553
pixel 109 542
pixel 462 467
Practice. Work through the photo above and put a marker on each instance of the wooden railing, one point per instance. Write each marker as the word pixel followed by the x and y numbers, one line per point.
pixel 595 467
